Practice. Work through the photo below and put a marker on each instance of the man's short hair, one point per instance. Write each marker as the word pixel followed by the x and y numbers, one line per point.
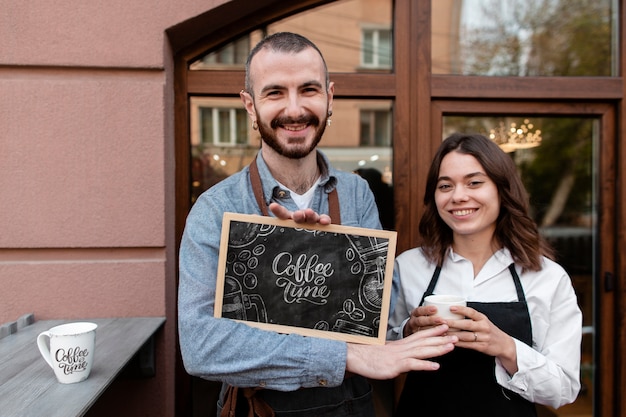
pixel 286 42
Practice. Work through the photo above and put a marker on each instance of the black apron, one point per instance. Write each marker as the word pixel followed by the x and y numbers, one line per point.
pixel 465 384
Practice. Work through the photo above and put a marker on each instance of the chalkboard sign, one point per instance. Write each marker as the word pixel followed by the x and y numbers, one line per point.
pixel 326 281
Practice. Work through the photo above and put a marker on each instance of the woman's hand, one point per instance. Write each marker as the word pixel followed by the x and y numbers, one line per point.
pixel 299 216
pixel 423 317
pixel 480 334
pixel 400 356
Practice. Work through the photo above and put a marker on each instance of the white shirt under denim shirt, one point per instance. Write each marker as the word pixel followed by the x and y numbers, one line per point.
pixel 548 372
pixel 233 352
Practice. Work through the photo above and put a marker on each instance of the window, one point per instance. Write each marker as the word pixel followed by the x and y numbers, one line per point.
pixel 233 54
pixel 376 48
pixel 375 127
pixel 521 38
pixel 223 126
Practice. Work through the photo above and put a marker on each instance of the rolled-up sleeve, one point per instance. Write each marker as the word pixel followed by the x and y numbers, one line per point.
pixel 548 372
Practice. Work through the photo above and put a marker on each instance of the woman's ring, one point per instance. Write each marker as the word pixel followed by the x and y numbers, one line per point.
pixel 475 337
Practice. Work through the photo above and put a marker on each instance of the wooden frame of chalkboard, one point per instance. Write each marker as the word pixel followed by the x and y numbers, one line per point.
pixel 328 281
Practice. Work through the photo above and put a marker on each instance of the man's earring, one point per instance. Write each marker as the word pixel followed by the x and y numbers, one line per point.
pixel 328 120
pixel 254 125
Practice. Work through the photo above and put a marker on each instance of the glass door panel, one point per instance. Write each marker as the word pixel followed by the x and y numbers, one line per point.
pixel 557 160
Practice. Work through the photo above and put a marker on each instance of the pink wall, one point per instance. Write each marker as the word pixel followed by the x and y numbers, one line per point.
pixel 87 171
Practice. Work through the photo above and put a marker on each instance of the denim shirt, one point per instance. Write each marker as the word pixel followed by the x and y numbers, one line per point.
pixel 233 352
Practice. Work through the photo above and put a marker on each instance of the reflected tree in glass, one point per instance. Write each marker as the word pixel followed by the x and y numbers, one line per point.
pixel 561 174
pixel 537 38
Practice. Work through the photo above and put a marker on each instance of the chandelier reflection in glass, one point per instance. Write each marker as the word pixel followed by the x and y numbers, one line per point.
pixel 515 137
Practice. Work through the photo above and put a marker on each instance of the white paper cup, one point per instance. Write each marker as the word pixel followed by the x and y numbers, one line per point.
pixel 71 350
pixel 443 303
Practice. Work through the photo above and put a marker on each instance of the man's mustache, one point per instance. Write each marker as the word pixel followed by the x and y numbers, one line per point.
pixel 308 119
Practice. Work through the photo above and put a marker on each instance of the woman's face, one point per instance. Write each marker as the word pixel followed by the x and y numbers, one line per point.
pixel 467 199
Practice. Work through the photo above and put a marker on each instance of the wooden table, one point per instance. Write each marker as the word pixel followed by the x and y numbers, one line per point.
pixel 28 387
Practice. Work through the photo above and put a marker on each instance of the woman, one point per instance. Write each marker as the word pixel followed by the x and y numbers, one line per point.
pixel 520 341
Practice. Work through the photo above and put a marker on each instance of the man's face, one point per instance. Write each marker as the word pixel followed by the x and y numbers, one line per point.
pixel 291 103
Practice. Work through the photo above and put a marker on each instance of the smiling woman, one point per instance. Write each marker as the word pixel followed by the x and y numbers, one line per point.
pixel 481 244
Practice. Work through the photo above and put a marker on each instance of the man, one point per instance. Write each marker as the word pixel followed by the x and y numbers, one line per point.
pixel 289 98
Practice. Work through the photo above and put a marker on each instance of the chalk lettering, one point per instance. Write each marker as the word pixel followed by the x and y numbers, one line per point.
pixel 299 293
pixel 303 270
pixel 303 280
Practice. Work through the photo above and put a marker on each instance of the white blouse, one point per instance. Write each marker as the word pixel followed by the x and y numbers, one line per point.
pixel 548 372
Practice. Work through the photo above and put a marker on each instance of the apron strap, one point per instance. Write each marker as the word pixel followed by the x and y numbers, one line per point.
pixel 257 188
pixel 333 207
pixel 518 283
pixel 431 285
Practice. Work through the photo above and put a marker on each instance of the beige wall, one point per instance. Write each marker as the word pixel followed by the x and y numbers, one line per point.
pixel 87 171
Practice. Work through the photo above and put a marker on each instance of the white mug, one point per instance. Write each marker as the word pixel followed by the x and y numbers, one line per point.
pixel 71 350
pixel 443 303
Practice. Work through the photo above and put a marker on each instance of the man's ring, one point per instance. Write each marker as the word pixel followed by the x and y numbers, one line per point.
pixel 475 337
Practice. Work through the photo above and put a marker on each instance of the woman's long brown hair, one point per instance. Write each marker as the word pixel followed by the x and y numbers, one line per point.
pixel 515 230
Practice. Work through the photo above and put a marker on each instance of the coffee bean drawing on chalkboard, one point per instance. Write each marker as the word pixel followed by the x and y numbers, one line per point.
pixel 326 281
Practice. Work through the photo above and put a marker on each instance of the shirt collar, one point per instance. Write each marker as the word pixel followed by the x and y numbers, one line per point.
pixel 500 260
pixel 328 178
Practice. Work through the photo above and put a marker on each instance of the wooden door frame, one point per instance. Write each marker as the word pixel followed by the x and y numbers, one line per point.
pixel 420 101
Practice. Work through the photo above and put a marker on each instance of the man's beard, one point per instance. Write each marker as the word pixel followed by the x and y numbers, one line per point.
pixel 268 135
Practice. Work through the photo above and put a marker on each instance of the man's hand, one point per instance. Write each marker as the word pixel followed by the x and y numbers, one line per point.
pixel 399 356
pixel 299 216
